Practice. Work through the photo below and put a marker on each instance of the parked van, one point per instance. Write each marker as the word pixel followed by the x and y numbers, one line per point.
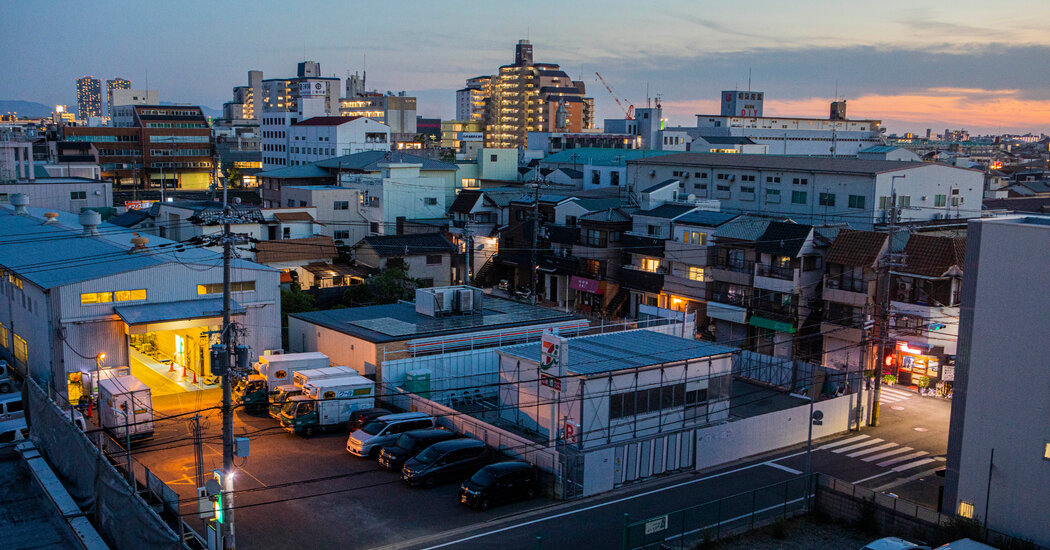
pixel 408 445
pixel 11 407
pixel 384 431
pixel 451 460
pixel 500 482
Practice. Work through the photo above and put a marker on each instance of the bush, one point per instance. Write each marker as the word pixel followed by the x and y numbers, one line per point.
pixel 921 381
pixel 889 379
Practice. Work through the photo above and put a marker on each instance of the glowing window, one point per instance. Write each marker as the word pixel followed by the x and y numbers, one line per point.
pixel 966 509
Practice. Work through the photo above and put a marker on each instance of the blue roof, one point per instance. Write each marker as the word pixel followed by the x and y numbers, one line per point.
pixel 302 171
pixel 143 314
pixel 624 350
pixel 53 255
pixel 601 157
pixel 710 219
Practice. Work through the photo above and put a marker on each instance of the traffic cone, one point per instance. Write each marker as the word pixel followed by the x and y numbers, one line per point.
pixel 171 366
pixel 184 371
pixel 194 376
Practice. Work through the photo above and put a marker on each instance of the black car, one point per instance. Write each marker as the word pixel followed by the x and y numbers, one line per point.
pixel 500 482
pixel 454 459
pixel 363 416
pixel 409 444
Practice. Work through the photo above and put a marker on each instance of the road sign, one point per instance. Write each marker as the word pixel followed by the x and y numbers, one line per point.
pixel 552 382
pixel 818 418
pixel 656 525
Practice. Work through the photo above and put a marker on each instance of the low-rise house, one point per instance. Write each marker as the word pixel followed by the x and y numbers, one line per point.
pixel 850 296
pixel 424 256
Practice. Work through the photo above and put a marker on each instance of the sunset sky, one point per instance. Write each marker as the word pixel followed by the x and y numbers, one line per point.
pixel 982 66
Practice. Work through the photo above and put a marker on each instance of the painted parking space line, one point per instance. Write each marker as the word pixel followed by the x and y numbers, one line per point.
pixel 843 442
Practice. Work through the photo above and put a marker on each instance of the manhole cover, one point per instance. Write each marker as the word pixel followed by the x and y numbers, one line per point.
pixel 897 408
pixel 921 429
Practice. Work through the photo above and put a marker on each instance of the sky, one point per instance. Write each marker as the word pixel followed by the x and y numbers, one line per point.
pixel 983 66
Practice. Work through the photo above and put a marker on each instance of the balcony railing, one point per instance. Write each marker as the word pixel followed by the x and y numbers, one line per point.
pixel 638 279
pixel 851 284
pixel 776 272
pixel 730 264
pixel 775 310
pixel 738 299
pixel 642 244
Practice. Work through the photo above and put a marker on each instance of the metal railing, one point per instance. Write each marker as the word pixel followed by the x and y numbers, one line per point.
pixel 731 264
pixel 851 284
pixel 720 518
pixel 786 273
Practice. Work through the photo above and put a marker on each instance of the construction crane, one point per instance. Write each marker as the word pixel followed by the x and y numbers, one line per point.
pixel 629 111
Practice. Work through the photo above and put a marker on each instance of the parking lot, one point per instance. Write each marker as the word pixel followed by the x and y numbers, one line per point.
pixel 304 493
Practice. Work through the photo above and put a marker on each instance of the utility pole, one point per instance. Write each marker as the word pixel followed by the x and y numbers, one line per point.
pixel 470 252
pixel 227 390
pixel 535 237
pixel 891 260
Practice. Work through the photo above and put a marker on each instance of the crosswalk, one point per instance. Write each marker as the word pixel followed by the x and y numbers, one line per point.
pixel 886 454
pixel 893 395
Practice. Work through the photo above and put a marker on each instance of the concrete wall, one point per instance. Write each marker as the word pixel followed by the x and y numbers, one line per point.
pixel 341 349
pixel 1001 401
pixel 754 435
pixel 58 196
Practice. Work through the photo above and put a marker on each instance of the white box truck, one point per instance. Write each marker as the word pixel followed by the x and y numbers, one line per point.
pixel 327 404
pixel 125 407
pixel 271 371
pixel 294 386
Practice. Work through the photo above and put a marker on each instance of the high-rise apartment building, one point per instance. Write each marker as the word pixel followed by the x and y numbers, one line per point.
pixel 529 97
pixel 282 94
pixel 89 97
pixel 395 110
pixel 471 101
pixel 246 99
pixel 115 84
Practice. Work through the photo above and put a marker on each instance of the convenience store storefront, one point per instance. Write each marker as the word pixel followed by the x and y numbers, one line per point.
pixel 914 360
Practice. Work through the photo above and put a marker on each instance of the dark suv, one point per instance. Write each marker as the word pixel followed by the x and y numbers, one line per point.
pixel 361 417
pixel 393 457
pixel 454 459
pixel 501 482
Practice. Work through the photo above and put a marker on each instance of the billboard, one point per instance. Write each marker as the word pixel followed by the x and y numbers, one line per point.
pixel 312 89
pixel 138 205
pixel 554 355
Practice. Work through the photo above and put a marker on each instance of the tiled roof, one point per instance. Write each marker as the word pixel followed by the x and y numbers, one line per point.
pixel 610 215
pixel 408 245
pixel 295 250
pixel 293 217
pixel 932 256
pixel 856 248
pixel 465 201
pixel 594 205
pixel 783 239
pixel 743 228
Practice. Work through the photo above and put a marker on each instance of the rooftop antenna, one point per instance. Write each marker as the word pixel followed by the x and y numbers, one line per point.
pixel 648 102
pixel 749 79
pixel 836 89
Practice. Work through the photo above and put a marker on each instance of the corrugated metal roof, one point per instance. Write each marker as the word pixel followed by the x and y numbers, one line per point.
pixel 142 314
pixel 600 157
pixel 867 167
pixel 304 171
pixel 52 255
pixel 624 350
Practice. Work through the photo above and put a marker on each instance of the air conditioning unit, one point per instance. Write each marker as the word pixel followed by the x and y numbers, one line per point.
pixel 833 283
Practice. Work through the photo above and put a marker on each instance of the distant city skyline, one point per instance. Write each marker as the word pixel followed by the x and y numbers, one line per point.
pixel 974 66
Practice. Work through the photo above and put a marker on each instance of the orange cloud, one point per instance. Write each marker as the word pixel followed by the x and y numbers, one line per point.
pixel 974 109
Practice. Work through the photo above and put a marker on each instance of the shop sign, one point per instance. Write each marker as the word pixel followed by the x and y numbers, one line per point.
pixel 584 284
pixel 138 205
pixel 552 382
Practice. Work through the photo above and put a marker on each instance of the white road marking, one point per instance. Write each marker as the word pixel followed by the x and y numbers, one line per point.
pixel 909 479
pixel 903 458
pixel 887 453
pixel 843 442
pixel 782 467
pixel 859 445
pixel 911 465
pixel 600 505
pixel 872 450
pixel 869 478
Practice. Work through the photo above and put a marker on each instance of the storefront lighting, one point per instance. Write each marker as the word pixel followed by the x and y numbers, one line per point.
pixel 904 347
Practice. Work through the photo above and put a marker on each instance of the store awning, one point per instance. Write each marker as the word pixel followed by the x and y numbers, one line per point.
pixel 778 326
pixel 726 312
pixel 585 284
pixel 146 314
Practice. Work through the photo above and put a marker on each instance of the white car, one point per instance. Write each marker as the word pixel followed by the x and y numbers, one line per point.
pixel 894 543
pixel 965 544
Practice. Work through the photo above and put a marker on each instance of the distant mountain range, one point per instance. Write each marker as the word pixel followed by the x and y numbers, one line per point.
pixel 34 109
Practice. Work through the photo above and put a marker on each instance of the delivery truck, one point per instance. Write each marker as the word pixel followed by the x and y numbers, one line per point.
pixel 280 394
pixel 125 408
pixel 270 371
pixel 327 404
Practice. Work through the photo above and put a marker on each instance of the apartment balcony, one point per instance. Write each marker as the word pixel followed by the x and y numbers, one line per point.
pixel 777 311
pixel 771 277
pixel 686 252
pixel 646 245
pixel 737 272
pixel 852 291
pixel 686 287
pixel 637 279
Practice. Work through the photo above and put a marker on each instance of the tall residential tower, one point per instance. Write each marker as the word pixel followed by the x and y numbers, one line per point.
pixel 89 97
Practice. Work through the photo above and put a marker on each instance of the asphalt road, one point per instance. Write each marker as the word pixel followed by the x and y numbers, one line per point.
pixel 311 493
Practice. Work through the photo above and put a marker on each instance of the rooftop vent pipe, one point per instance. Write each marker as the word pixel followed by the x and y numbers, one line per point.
pixel 20 201
pixel 139 243
pixel 51 218
pixel 90 220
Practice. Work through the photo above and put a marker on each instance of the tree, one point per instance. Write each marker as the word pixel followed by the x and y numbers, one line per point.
pixel 387 287
pixel 234 176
